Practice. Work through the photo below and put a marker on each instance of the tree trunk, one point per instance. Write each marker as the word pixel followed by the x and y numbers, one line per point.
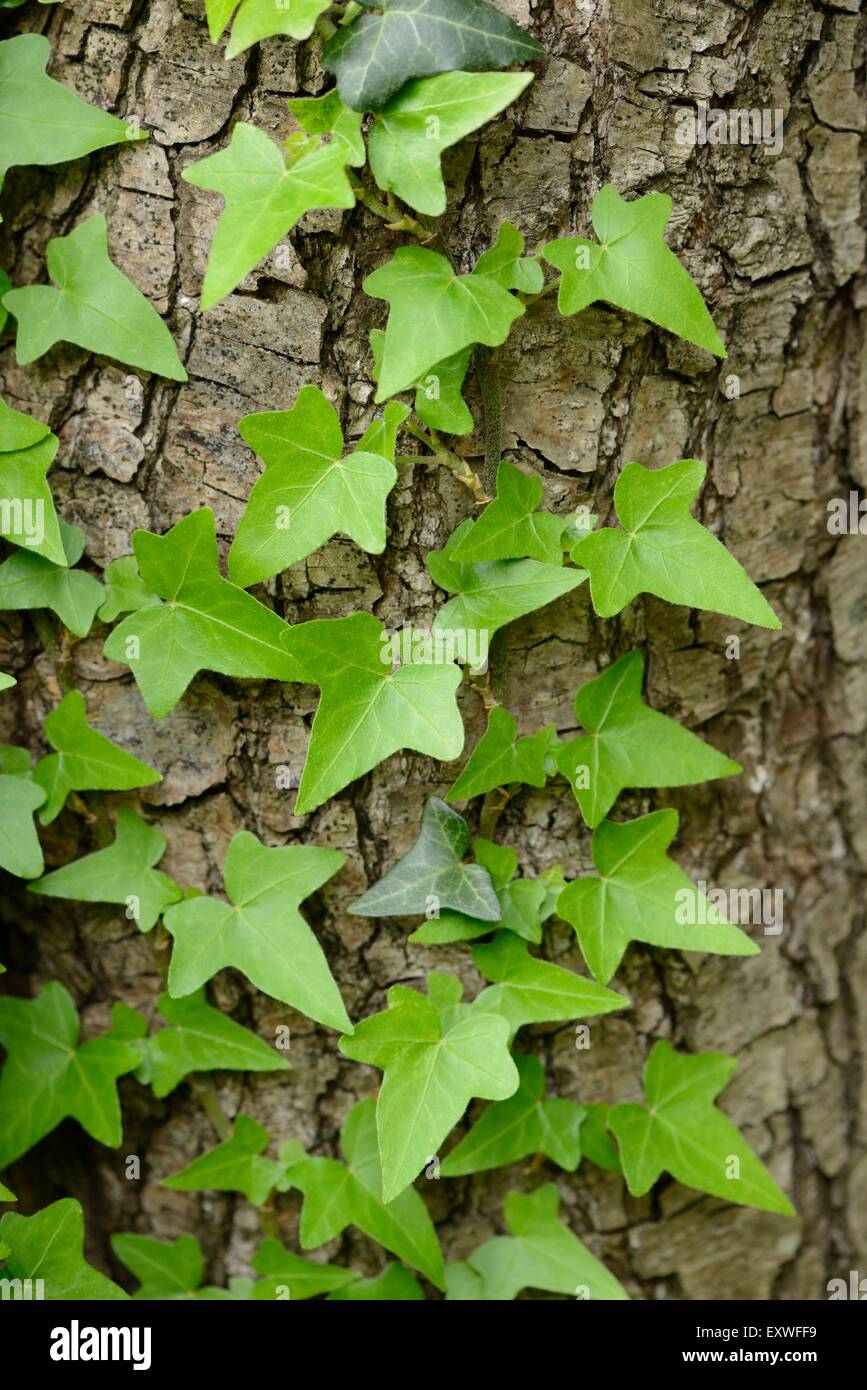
pixel 774 242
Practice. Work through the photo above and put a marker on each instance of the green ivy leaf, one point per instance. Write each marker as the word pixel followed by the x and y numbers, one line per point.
pixel 412 130
pixel 506 264
pixel 27 515
pixel 438 400
pixel 436 1054
pixel 262 933
pixel 376 54
pixel 496 592
pixel 48 1246
pixel 265 196
pixel 205 623
pixel 326 115
pixel 597 1145
pixel 337 1195
pixel 524 902
pixel 261 19
pixel 200 1038
pixel 165 1269
pixel 367 711
pixel 5 1194
pixel 41 121
pixel 662 550
pixel 394 1285
pixel 434 314
pixel 680 1131
pixel 540 1253
pixel 125 590
pixel 524 1124
pixel 6 682
pixel 236 1165
pixel 627 744
pixel 527 990
pixel 124 873
pixel 288 1276
pixel 20 850
pixel 642 895
pixel 631 267
pixel 501 757
pixel 309 492
pixel 28 580
pixel 432 870
pixel 48 1075
pixel 511 527
pixel 95 307
pixel 84 760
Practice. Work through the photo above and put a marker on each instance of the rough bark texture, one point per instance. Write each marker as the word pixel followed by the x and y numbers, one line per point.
pixel 776 245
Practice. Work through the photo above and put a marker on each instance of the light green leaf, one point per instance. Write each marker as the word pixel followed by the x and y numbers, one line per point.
pixel 48 1246
pixel 165 1269
pixel 511 527
pixel 124 873
pixel 201 1038
pixel 20 850
pixel 27 515
pixel 41 121
pixel 528 990
pixel 681 1131
pixel 627 744
pixel 394 1285
pixel 94 306
pixel 438 400
pixel 662 550
pixel 288 1276
pixel 309 492
pixel 631 267
pixel 125 590
pixel 431 870
pixel 524 903
pixel 48 1075
pixel 434 314
pixel 642 895
pixel 265 196
pixel 326 115
pixel 261 19
pixel 236 1165
pixel 506 264
pixel 367 711
pixel 337 1195
pixel 436 1054
pixel 84 760
pixel 541 1253
pixel 524 1124
pixel 204 623
pixel 28 580
pixel 5 1194
pixel 597 1145
pixel 407 138
pixel 377 53
pixel 501 757
pixel 6 682
pixel 262 933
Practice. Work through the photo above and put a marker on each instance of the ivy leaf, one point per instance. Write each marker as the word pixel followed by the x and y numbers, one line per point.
pixel 506 264
pixel 631 267
pixel 627 744
pixel 261 19
pixel 337 1195
pixel 524 1124
pixel 125 590
pixel 48 1075
pixel 326 115
pixel 407 139
pixel 236 1165
pixel 436 1054
pixel 200 1038
pixel 94 306
pixel 681 1131
pixel 48 1246
pixel 376 54
pixel 367 711
pixel 511 527
pixel 642 895
pixel 434 314
pixel 265 196
pixel 662 550
pixel 438 400
pixel 540 1253
pixel 27 515
pixel 527 990
pixel 164 1268
pixel 20 850
pixel 5 1194
pixel 309 492
pixel 41 121
pixel 28 580
pixel 496 592
pixel 205 623
pixel 432 870
pixel 597 1145
pixel 124 873
pixel 394 1285
pixel 501 757
pixel 262 933
pixel 524 902
pixel 84 760
pixel 281 1270
pixel 6 682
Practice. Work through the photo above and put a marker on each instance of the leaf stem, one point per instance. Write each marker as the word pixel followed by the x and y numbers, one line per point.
pixel 489 385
